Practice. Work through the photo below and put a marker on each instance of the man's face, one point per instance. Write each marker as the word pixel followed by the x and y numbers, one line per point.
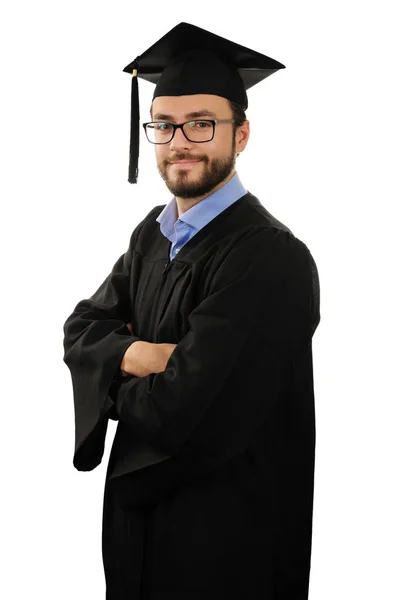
pixel 215 160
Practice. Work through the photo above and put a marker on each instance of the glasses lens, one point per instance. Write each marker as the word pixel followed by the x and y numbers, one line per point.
pixel 199 131
pixel 159 133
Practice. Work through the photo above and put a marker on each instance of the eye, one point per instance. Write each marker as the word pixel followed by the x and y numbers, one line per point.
pixel 163 126
pixel 202 124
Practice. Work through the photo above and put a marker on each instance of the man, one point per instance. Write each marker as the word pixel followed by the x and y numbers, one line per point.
pixel 199 343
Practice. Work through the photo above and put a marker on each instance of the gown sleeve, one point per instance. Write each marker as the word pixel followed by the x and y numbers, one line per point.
pixel 95 339
pixel 262 304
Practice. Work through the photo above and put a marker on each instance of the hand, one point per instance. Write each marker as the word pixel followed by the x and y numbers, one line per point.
pixel 142 358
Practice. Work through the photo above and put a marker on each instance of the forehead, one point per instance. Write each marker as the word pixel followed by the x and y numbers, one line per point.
pixel 179 107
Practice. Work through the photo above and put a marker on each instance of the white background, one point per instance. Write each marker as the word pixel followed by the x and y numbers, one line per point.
pixel 323 157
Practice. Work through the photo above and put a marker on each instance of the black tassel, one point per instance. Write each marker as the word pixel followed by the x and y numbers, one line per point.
pixel 134 141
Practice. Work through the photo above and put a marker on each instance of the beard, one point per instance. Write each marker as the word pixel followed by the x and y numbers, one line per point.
pixel 185 185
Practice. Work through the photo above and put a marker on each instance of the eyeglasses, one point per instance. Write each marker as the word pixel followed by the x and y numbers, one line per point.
pixel 162 132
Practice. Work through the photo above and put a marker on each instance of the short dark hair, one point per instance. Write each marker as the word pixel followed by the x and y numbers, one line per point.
pixel 238 113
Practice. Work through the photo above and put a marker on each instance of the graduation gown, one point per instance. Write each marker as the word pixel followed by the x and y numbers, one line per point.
pixel 209 485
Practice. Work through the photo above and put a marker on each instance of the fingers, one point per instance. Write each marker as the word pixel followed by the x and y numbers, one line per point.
pixel 129 326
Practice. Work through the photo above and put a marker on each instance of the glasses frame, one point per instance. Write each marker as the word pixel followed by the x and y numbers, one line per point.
pixel 180 126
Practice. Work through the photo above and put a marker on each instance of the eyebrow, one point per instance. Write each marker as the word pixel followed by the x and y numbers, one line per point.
pixel 191 115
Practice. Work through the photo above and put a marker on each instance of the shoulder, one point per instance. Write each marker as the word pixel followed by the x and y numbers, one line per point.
pixel 264 245
pixel 261 256
pixel 273 232
pixel 148 221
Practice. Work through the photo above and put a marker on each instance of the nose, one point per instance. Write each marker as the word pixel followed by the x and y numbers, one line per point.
pixel 179 141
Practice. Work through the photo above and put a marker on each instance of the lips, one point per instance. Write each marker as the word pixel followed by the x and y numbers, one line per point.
pixel 184 162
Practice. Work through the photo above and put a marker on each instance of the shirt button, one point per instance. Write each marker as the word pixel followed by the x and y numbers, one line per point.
pixel 177 250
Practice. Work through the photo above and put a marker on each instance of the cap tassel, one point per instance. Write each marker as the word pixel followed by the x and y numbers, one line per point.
pixel 134 141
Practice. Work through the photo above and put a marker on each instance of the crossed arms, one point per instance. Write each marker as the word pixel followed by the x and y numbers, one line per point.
pixel 142 358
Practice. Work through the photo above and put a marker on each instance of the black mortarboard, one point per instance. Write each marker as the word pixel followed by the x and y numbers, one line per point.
pixel 191 60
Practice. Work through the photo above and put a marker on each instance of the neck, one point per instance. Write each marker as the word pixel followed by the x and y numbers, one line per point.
pixel 184 204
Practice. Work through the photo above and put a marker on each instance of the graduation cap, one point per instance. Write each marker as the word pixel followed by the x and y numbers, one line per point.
pixel 191 60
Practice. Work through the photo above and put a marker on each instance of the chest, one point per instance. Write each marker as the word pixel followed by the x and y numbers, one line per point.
pixel 163 294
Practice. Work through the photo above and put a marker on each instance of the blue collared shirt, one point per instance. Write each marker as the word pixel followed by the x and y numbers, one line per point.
pixel 181 230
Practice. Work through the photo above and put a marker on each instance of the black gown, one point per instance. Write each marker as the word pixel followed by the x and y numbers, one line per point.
pixel 209 486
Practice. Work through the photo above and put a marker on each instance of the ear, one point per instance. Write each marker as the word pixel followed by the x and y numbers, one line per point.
pixel 244 133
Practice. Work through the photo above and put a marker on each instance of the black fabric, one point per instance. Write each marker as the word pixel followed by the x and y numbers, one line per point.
pixel 200 71
pixel 252 66
pixel 209 486
pixel 134 135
